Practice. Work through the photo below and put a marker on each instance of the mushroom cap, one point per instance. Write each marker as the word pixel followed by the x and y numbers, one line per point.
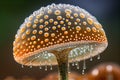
pixel 55 28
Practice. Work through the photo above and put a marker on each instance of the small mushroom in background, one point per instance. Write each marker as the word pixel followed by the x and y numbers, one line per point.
pixel 57 35
pixel 106 71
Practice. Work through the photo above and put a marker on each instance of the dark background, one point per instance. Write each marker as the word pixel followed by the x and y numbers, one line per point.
pixel 13 13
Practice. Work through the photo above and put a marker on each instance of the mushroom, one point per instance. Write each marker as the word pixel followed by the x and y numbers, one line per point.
pixel 105 71
pixel 58 34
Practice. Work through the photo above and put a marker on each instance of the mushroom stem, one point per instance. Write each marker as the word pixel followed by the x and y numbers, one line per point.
pixel 62 59
pixel 63 70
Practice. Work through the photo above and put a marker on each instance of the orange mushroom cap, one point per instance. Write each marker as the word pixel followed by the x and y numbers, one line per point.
pixel 58 27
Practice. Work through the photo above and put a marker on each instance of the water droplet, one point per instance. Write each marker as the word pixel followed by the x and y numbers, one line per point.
pixel 22 66
pixel 73 64
pixel 69 72
pixel 91 59
pixel 84 64
pixel 76 63
pixel 91 48
pixel 51 67
pixel 78 67
pixel 69 68
pixel 83 71
pixel 30 66
pixel 98 57
pixel 40 67
pixel 45 68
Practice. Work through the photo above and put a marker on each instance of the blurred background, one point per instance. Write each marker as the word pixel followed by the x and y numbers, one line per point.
pixel 13 13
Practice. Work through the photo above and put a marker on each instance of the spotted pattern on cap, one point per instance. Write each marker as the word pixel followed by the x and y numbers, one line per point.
pixel 56 24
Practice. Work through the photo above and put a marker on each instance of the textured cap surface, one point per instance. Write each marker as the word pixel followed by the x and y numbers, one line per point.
pixel 55 27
